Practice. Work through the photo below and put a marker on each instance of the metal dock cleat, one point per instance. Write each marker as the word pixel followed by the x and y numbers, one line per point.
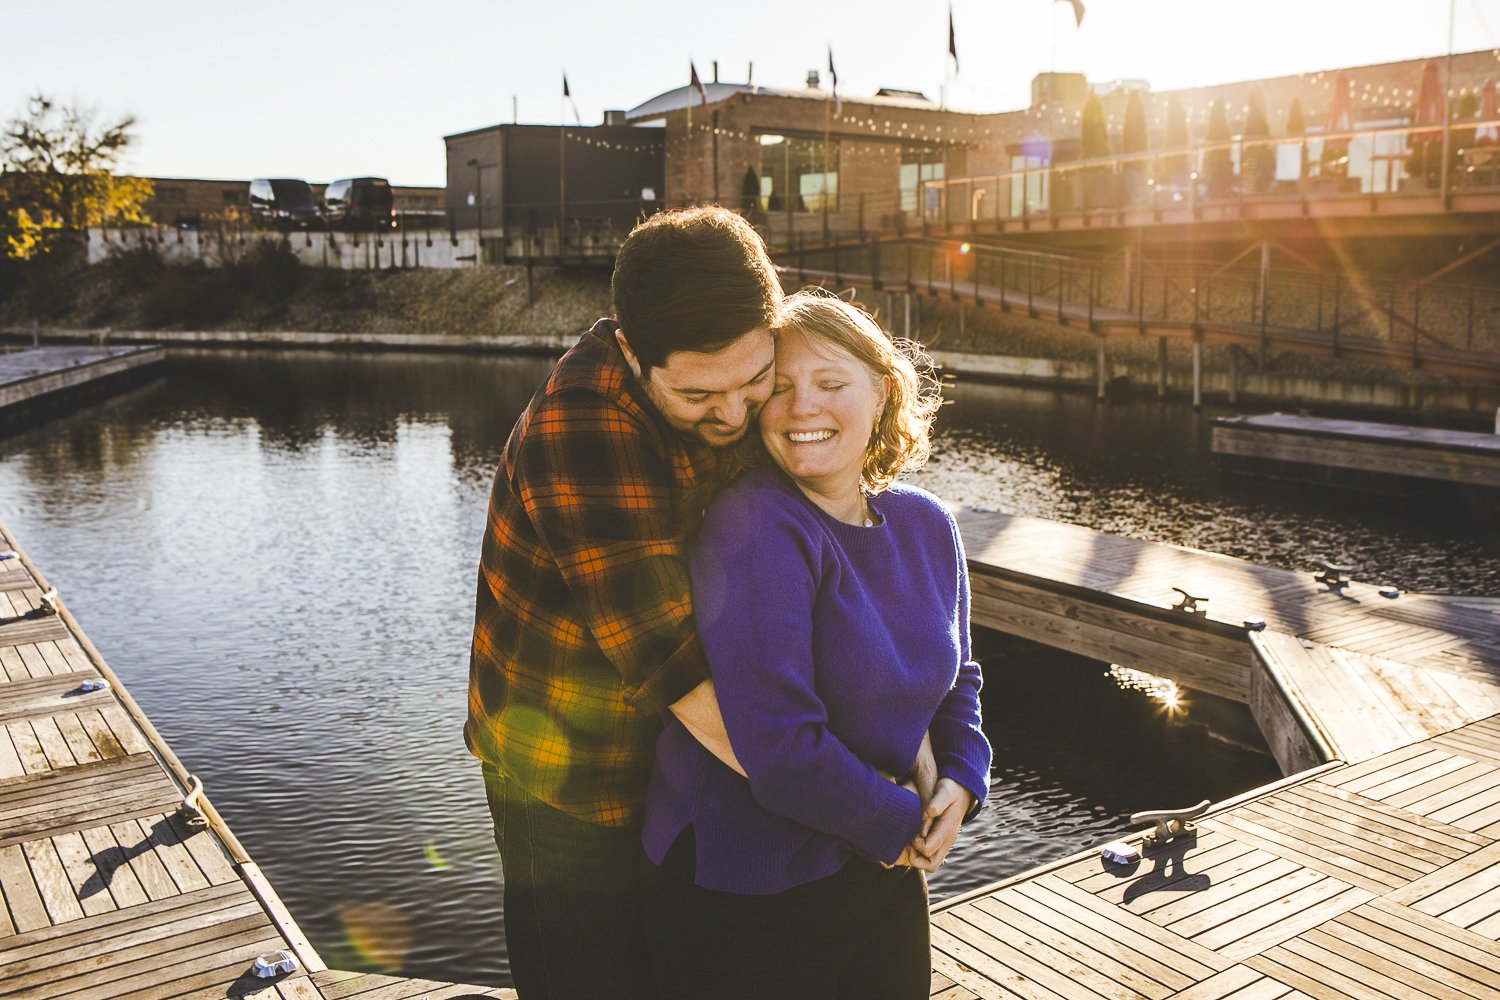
pixel 1189 603
pixel 1331 576
pixel 1170 823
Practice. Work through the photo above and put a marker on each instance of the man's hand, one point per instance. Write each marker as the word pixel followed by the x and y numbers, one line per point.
pixel 698 711
pixel 942 816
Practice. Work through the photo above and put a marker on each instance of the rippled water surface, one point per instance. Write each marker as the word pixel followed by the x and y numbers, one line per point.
pixel 276 552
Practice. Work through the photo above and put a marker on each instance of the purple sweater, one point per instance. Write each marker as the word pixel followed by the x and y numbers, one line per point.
pixel 833 648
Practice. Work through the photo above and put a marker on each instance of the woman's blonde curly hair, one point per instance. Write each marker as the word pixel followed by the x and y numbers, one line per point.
pixel 900 440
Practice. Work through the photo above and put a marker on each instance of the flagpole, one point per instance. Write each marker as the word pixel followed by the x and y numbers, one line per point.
pixel 1446 178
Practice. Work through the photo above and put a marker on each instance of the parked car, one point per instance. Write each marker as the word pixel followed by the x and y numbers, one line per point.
pixel 363 203
pixel 284 203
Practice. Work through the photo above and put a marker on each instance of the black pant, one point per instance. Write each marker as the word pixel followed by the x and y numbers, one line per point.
pixel 572 900
pixel 861 932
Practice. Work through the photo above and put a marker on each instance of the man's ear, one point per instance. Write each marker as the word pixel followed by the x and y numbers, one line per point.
pixel 630 358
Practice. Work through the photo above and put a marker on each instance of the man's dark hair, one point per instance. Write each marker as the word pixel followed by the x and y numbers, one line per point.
pixel 692 280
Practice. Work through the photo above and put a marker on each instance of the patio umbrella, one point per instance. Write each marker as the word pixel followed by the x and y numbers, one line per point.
pixel 1488 135
pixel 1430 110
pixel 1431 106
pixel 1335 157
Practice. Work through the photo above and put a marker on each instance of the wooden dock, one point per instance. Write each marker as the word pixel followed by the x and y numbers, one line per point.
pixel 107 890
pixel 1372 871
pixel 40 377
pixel 1319 443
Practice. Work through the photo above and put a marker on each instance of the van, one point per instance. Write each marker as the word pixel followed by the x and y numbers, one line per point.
pixel 363 203
pixel 284 203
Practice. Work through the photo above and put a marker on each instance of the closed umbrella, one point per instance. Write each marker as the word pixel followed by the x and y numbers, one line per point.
pixel 1431 109
pixel 1334 161
pixel 1488 135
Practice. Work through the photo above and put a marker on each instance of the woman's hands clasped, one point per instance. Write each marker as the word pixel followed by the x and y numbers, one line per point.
pixel 945 803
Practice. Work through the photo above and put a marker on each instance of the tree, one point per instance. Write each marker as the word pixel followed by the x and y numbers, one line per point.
pixel 1133 140
pixel 1218 162
pixel 1257 158
pixel 1296 125
pixel 59 175
pixel 1175 169
pixel 1093 144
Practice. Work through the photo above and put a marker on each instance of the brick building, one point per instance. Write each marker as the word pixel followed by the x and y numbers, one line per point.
pixel 179 201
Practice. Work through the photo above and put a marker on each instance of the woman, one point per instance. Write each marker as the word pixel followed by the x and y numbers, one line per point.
pixel 833 605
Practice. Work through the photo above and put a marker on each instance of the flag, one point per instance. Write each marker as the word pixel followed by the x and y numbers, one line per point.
pixel 1077 11
pixel 568 93
pixel 952 41
pixel 833 80
pixel 695 82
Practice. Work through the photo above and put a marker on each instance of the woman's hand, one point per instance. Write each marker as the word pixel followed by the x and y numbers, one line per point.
pixel 942 817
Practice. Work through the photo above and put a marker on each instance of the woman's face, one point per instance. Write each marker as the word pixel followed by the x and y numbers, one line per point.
pixel 821 413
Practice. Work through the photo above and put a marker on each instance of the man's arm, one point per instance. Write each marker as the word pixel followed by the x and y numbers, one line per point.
pixel 598 490
pixel 698 711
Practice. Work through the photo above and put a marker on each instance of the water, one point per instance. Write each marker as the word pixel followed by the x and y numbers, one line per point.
pixel 277 552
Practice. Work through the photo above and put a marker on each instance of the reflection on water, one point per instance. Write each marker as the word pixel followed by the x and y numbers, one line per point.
pixel 277 553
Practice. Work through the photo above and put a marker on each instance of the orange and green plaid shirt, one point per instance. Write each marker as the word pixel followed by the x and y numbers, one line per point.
pixel 583 627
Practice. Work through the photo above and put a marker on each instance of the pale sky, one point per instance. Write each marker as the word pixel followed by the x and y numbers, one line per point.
pixel 323 90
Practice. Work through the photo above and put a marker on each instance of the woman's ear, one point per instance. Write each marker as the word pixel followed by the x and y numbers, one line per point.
pixel 630 358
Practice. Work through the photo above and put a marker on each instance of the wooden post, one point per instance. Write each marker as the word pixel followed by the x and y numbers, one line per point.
pixel 1197 373
pixel 1234 373
pixel 1161 367
pixel 908 316
pixel 1101 371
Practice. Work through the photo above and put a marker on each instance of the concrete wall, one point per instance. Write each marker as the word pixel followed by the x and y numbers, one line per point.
pixel 436 249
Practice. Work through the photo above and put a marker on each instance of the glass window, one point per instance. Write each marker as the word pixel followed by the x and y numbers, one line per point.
pixel 804 170
pixel 917 167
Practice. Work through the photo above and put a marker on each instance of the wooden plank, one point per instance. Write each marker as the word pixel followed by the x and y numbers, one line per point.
pixel 144 864
pixel 113 867
pixel 1357 845
pixel 1372 970
pixel 53 657
pixel 1353 777
pixel 169 974
pixel 1478 910
pixel 975 955
pixel 1468 745
pixel 1222 985
pixel 59 755
pixel 179 863
pixel 1409 826
pixel 1141 934
pixel 1204 880
pixel 10 761
pixel 1111 882
pixel 1312 856
pixel 28 748
pixel 1481 954
pixel 88 884
pixel 108 926
pixel 1093 939
pixel 1222 890
pixel 1450 884
pixel 12 664
pixel 79 743
pixel 1453 787
pixel 129 737
pixel 207 852
pixel 100 733
pixel 27 911
pixel 1423 954
pixel 1039 940
pixel 51 881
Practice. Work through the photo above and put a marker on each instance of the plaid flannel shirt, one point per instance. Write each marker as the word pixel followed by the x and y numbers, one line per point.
pixel 583 627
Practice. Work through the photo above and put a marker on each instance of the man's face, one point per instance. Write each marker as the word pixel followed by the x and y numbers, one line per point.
pixel 712 396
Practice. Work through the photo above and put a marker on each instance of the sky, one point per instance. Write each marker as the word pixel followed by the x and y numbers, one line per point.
pixel 323 90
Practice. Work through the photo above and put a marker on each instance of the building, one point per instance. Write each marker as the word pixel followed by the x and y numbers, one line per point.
pixel 519 180
pixel 193 201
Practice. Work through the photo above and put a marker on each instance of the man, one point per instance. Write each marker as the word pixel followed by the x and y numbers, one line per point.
pixel 583 630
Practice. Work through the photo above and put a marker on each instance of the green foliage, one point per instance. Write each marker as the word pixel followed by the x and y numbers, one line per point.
pixel 1133 138
pixel 1257 157
pixel 1094 141
pixel 1296 119
pixel 1218 163
pixel 59 176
